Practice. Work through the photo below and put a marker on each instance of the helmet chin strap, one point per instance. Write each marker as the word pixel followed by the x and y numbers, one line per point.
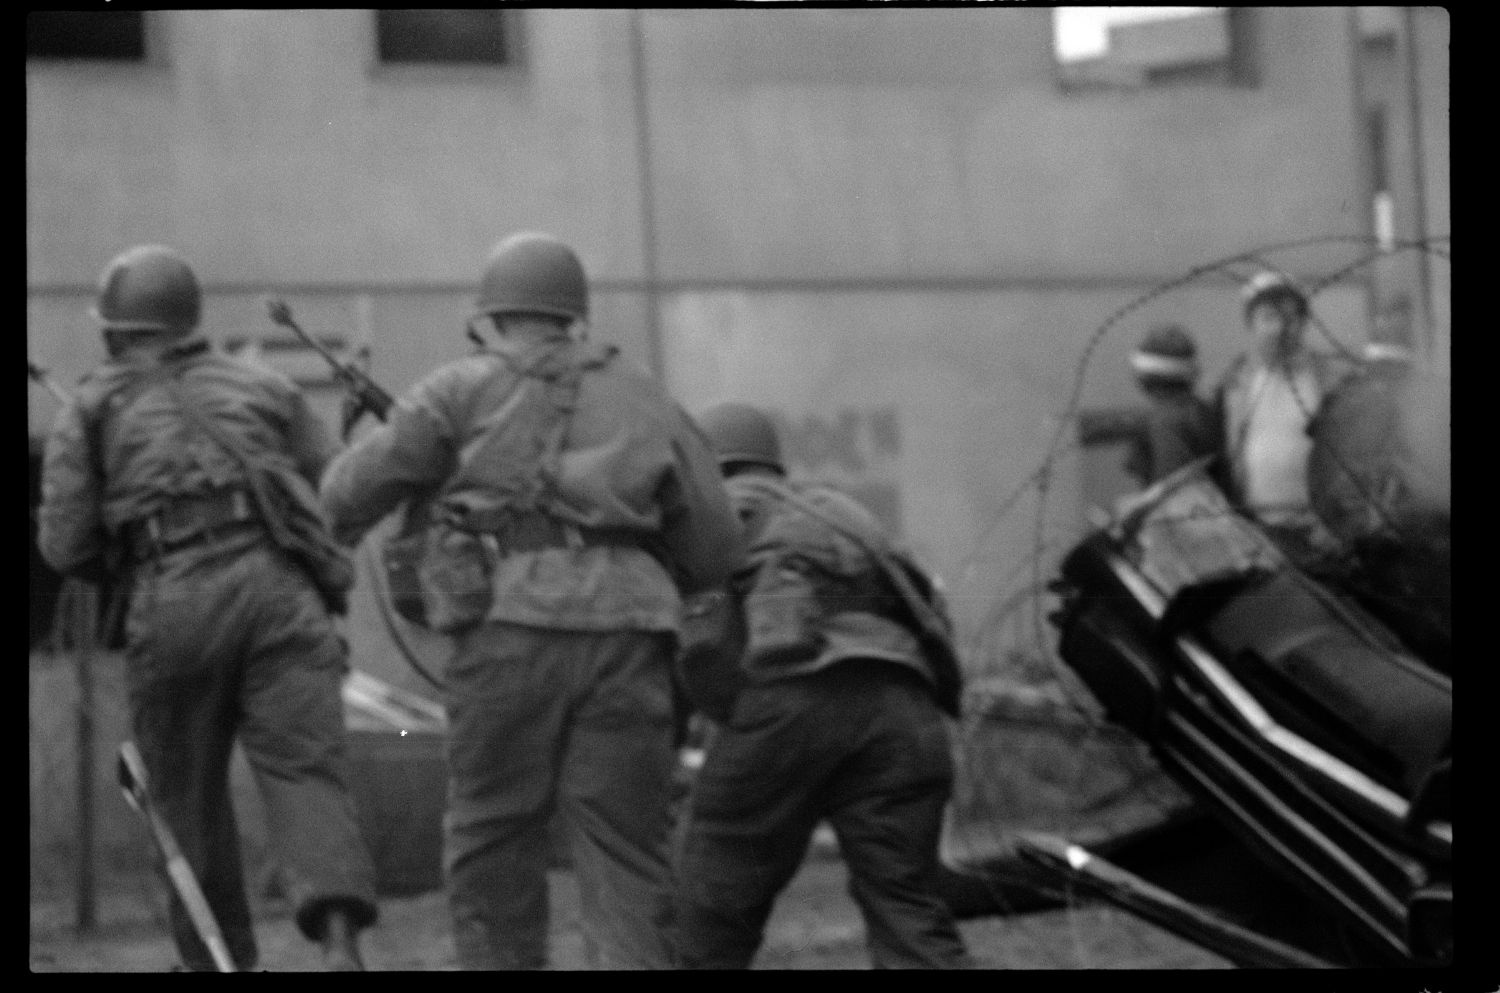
pixel 540 326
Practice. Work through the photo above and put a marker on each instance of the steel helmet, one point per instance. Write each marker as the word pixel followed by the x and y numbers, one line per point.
pixel 148 288
pixel 738 432
pixel 1271 284
pixel 1167 352
pixel 534 273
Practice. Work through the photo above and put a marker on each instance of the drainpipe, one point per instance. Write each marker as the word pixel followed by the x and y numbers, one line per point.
pixel 648 201
pixel 1363 157
pixel 1419 198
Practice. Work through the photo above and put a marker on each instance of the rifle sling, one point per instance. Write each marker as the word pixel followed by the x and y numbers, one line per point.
pixel 254 474
pixel 931 628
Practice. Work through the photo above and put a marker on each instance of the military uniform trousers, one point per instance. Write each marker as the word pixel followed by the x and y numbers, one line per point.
pixel 860 744
pixel 232 640
pixel 542 720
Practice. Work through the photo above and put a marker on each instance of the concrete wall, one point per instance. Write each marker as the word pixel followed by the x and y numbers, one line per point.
pixel 900 143
pixel 866 231
pixel 892 226
pixel 271 147
pixel 786 145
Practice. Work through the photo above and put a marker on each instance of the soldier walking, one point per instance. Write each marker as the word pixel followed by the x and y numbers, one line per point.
pixel 837 716
pixel 188 477
pixel 562 502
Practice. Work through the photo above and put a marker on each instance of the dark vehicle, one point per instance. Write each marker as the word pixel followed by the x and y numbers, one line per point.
pixel 1291 712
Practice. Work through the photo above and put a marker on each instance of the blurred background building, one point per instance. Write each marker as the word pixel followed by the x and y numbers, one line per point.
pixel 898 228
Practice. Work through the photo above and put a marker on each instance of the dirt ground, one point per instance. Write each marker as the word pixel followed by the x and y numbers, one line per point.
pixel 815 926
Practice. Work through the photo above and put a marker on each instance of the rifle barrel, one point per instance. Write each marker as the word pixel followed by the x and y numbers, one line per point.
pixel 366 390
pixel 282 314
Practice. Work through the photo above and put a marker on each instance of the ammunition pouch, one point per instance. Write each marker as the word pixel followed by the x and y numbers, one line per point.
pixel 400 560
pixel 453 578
pixel 778 622
pixel 791 600
pixel 439 574
pixel 300 531
pixel 783 609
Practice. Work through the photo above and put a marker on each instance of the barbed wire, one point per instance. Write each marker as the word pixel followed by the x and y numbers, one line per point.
pixel 1009 600
pixel 1056 445
pixel 1039 478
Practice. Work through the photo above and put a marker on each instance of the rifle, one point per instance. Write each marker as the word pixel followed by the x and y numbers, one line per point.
pixel 367 395
pixel 39 375
pixel 132 775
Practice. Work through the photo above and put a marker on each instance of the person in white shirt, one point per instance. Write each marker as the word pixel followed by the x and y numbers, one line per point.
pixel 1266 401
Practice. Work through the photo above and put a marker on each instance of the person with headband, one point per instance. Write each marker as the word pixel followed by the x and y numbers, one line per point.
pixel 1175 427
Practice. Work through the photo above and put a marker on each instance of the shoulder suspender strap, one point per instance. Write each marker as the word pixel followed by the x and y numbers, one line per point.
pixel 98 413
pixel 296 528
pixel 255 478
pixel 564 394
pixel 527 446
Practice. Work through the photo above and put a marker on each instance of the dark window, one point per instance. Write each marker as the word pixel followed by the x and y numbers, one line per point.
pixel 444 36
pixel 77 34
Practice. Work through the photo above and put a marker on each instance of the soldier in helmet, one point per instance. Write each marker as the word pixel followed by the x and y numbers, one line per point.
pixel 1175 427
pixel 178 471
pixel 838 716
pixel 1265 404
pixel 567 504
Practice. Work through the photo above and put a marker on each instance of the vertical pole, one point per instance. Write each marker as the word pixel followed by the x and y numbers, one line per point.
pixel 1419 173
pixel 85 621
pixel 648 201
pixel 1364 158
pixel 364 324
